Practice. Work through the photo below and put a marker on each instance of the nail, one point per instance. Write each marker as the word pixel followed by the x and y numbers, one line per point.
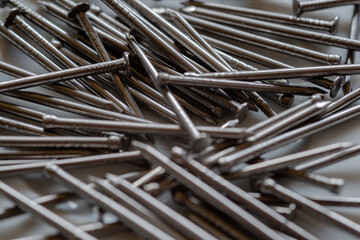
pixel 72 106
pixel 112 142
pixel 265 42
pixel 33 34
pixel 199 140
pixel 206 192
pixel 240 195
pixel 342 102
pixel 269 186
pixel 136 128
pixel 343 69
pixel 231 230
pixel 176 16
pixel 336 201
pixel 132 220
pixel 286 161
pixel 23 127
pixel 133 205
pixel 291 121
pixel 201 81
pixel 182 38
pixel 269 62
pixel 43 154
pixel 63 75
pixel 290 136
pixel 71 162
pixel 40 58
pixel 78 12
pixel 177 221
pixel 50 27
pixel 270 16
pixel 332 184
pixel 66 228
pixel 354 29
pixel 313 5
pixel 152 175
pixel 272 28
pixel 134 21
pixel 327 160
pixel 46 201
pixel 287 113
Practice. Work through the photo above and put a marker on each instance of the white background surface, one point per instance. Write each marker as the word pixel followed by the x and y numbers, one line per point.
pixel 34 185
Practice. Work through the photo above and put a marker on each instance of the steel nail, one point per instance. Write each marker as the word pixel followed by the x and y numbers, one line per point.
pixel 50 27
pixel 265 42
pixel 212 196
pixel 272 28
pixel 269 62
pixel 210 216
pixel 256 150
pixel 126 216
pixel 63 75
pixel 66 228
pixel 180 223
pixel 240 195
pixel 134 21
pixel 327 160
pixel 354 29
pixel 286 161
pixel 199 141
pixel 269 186
pixel 149 176
pixel 313 5
pixel 342 69
pixel 78 11
pixel 46 201
pixel 43 154
pixel 332 184
pixel 139 128
pixel 112 142
pixel 71 162
pixel 175 16
pixel 215 82
pixel 270 16
pixel 72 106
pixel 128 201
pixel 182 38
pixel 289 122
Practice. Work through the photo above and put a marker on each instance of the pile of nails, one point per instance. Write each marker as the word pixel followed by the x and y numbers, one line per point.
pixel 126 59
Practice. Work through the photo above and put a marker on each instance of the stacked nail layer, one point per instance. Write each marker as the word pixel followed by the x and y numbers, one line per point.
pixel 159 101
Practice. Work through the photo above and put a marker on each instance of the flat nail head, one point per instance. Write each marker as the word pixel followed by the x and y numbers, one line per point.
pixel 81 7
pixel 9 20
